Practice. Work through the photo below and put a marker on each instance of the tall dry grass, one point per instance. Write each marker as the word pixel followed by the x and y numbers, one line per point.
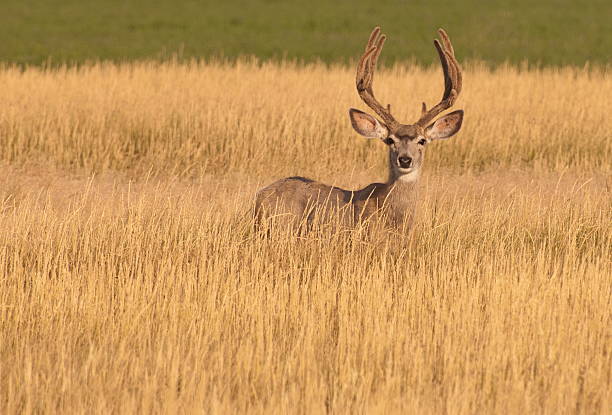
pixel 268 119
pixel 131 279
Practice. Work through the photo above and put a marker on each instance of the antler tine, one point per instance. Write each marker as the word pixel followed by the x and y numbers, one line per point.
pixel 373 37
pixel 364 68
pixel 380 42
pixel 447 69
pixel 448 47
pixel 446 41
pixel 452 79
pixel 365 77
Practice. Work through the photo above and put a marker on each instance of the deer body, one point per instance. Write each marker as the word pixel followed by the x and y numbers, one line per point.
pixel 301 199
pixel 298 200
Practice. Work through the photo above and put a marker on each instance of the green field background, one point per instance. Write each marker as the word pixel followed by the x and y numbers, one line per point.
pixel 551 32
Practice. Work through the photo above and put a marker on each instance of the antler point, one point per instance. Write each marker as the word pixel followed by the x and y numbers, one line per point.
pixel 452 78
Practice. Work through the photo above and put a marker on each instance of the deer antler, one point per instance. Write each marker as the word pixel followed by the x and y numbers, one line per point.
pixel 452 79
pixel 365 77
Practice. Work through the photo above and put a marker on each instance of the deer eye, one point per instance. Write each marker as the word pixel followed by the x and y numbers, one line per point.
pixel 422 141
pixel 388 141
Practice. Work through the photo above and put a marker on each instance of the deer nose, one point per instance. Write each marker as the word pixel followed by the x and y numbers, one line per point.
pixel 404 161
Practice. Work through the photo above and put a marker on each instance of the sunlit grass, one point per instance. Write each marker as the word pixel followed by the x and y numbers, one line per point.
pixel 131 279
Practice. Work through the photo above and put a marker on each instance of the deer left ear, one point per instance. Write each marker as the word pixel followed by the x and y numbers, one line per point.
pixel 366 125
pixel 445 127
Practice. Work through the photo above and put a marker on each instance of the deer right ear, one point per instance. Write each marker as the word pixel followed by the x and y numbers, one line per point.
pixel 366 125
pixel 445 126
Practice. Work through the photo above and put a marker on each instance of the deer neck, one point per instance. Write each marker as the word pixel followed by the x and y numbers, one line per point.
pixel 401 194
pixel 401 179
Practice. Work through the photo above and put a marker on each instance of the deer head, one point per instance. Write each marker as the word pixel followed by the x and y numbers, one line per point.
pixel 407 141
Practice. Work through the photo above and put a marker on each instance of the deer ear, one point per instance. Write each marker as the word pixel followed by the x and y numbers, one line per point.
pixel 366 125
pixel 446 126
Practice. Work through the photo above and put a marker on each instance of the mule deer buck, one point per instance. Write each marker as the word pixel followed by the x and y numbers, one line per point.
pixel 298 200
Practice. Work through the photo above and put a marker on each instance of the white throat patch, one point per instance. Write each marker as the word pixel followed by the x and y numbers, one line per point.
pixel 411 177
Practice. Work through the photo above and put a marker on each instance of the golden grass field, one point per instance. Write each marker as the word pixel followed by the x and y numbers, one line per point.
pixel 131 280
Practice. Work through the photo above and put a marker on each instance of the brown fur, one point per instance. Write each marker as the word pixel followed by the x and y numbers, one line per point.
pixel 298 201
